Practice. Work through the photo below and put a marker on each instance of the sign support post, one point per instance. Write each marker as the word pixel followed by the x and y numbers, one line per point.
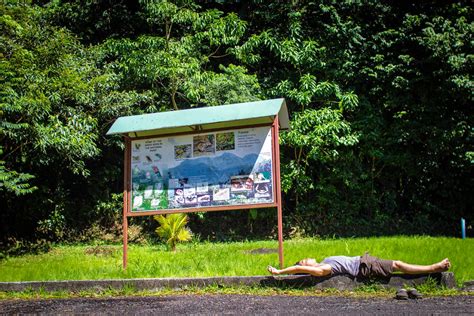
pixel 276 160
pixel 126 201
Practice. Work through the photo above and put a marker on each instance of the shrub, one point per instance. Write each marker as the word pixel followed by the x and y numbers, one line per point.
pixel 173 229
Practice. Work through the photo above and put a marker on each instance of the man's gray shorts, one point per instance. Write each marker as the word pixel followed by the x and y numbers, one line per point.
pixel 375 267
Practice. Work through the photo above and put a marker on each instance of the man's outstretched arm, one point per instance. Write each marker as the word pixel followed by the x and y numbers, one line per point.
pixel 321 270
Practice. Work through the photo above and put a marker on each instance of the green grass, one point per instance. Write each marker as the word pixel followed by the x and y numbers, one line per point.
pixel 219 290
pixel 227 259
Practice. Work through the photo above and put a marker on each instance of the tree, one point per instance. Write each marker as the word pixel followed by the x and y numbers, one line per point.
pixel 413 71
pixel 173 61
pixel 52 100
pixel 58 99
pixel 405 63
pixel 291 59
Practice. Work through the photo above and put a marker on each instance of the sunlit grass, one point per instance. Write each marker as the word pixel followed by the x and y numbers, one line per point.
pixel 220 290
pixel 206 259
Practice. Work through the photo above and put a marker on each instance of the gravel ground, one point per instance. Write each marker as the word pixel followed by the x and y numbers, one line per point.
pixel 241 305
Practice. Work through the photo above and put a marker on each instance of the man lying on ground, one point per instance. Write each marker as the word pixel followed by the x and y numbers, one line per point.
pixel 360 266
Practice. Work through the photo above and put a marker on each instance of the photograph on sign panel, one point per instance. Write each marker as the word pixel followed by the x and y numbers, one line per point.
pixel 182 151
pixel 232 167
pixel 225 141
pixel 221 194
pixel 241 183
pixel 203 145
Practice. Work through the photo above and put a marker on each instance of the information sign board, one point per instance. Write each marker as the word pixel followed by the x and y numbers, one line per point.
pixel 218 158
pixel 212 169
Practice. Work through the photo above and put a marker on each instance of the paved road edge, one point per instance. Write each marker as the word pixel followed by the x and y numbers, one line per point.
pixel 445 279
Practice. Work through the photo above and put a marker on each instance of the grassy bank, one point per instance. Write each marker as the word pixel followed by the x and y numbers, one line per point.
pixel 227 259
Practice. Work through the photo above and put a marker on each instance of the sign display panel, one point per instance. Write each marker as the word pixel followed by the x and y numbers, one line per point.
pixel 232 167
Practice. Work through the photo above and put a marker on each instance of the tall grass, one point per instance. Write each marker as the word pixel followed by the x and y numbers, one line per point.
pixel 228 259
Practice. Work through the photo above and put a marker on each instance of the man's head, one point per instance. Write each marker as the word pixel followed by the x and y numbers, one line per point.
pixel 310 262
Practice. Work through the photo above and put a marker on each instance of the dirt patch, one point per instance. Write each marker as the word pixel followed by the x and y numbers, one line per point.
pixel 261 251
pixel 100 251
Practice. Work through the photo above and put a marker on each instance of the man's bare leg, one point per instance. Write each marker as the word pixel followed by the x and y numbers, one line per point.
pixel 418 269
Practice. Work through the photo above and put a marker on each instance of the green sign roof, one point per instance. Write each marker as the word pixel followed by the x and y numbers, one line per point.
pixel 202 119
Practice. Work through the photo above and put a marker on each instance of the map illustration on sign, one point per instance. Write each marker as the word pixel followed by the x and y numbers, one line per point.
pixel 232 167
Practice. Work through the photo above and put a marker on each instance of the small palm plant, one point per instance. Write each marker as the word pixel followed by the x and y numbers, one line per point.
pixel 173 229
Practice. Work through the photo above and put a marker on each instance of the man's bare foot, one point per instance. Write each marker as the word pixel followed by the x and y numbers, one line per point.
pixel 272 270
pixel 443 265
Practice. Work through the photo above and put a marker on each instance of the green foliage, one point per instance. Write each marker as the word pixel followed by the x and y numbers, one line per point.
pixel 233 85
pixel 317 136
pixel 415 124
pixel 14 182
pixel 46 95
pixel 14 248
pixel 402 85
pixel 321 135
pixel 173 62
pixel 431 287
pixel 54 101
pixel 379 96
pixel 173 229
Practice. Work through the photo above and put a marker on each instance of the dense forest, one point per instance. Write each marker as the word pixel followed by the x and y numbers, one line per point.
pixel 380 96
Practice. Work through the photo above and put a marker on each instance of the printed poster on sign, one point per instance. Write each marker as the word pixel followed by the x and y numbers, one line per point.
pixel 231 167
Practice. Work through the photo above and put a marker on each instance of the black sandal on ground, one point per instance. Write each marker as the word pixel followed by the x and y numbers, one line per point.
pixel 414 294
pixel 402 294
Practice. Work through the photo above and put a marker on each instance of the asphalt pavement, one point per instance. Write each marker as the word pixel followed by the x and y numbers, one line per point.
pixel 241 305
